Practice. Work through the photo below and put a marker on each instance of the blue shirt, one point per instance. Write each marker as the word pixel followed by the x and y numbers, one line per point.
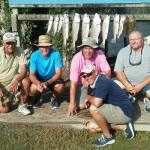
pixel 45 67
pixel 111 93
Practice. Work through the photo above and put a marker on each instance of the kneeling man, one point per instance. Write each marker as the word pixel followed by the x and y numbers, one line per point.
pixel 109 105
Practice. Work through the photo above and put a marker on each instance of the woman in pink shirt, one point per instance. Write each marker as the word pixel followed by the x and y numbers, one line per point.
pixel 78 88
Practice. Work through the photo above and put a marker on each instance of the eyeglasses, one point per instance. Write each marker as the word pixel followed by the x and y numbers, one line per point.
pixel 86 75
pixel 135 63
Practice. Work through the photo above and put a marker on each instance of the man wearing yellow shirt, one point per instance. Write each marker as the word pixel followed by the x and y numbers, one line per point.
pixel 13 84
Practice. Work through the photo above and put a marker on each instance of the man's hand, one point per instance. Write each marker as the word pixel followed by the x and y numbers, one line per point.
pixel 13 86
pixel 39 87
pixel 1 93
pixel 72 109
pixel 44 85
pixel 129 88
pixel 137 88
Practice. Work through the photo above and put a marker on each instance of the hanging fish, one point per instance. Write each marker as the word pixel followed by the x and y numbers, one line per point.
pixel 50 23
pixel 61 18
pixel 65 29
pixel 105 28
pixel 55 24
pixel 75 29
pixel 147 40
pixel 121 25
pixel 96 27
pixel 85 26
pixel 115 28
pixel 24 27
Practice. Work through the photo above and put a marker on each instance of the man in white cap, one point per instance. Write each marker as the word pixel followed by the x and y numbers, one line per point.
pixel 109 105
pixel 46 70
pixel 89 54
pixel 13 84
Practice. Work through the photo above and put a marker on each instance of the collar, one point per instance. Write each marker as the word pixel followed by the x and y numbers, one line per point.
pixel 94 83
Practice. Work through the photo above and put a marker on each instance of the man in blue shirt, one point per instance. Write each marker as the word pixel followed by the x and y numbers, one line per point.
pixel 109 105
pixel 46 70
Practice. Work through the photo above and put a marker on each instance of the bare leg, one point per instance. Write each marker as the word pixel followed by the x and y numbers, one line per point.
pixel 4 108
pixel 25 87
pixel 58 89
pixel 100 120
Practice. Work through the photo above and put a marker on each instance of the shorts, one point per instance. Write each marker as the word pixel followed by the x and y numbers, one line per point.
pixel 59 81
pixel 113 114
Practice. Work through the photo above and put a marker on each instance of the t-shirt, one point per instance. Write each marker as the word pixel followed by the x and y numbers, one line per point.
pixel 78 62
pixel 137 73
pixel 10 65
pixel 107 90
pixel 45 67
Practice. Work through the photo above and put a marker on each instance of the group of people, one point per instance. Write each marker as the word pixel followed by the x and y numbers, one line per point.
pixel 91 85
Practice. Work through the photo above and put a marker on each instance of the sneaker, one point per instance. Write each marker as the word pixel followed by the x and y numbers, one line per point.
pixel 54 103
pixel 24 110
pixel 37 101
pixel 146 105
pixel 103 141
pixel 129 131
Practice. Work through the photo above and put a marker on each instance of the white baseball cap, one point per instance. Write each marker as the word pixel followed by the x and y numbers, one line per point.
pixel 9 37
pixel 88 69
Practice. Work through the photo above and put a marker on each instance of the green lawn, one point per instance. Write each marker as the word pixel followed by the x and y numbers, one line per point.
pixel 42 137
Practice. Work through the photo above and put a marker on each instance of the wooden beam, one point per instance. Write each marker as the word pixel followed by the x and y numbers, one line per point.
pixel 40 17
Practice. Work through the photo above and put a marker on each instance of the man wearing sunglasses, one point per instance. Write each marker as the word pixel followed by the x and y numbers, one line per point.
pixel 109 105
pixel 14 85
pixel 132 67
pixel 89 54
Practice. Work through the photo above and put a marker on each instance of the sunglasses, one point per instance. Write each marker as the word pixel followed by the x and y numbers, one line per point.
pixel 135 63
pixel 86 75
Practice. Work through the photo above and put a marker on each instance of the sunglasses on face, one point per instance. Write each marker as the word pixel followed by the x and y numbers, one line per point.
pixel 86 75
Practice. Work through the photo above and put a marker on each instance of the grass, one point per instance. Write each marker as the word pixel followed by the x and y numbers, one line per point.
pixel 42 137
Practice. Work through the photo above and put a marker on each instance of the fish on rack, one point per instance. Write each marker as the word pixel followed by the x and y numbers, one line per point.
pixel 50 23
pixel 105 29
pixel 65 30
pixel 147 40
pixel 61 18
pixel 121 25
pixel 55 24
pixel 115 28
pixel 75 29
pixel 95 27
pixel 85 26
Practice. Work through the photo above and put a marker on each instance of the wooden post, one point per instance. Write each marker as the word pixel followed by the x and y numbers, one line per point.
pixel 14 23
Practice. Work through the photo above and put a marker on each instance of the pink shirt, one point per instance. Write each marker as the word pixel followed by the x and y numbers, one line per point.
pixel 78 61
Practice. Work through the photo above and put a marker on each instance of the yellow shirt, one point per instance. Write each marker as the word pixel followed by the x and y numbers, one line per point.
pixel 10 66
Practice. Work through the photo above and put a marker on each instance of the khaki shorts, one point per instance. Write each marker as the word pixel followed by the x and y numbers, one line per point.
pixel 113 114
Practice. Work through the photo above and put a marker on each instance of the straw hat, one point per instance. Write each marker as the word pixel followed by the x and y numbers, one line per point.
pixel 44 40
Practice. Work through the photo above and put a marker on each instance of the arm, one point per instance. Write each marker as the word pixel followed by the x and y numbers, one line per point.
pixel 94 100
pixel 56 76
pixel 34 80
pixel 138 87
pixel 1 93
pixel 18 78
pixel 72 105
pixel 123 79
